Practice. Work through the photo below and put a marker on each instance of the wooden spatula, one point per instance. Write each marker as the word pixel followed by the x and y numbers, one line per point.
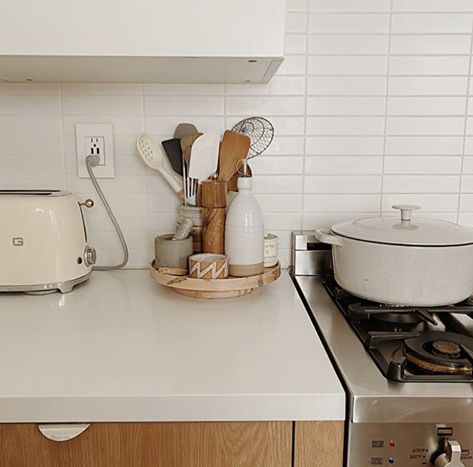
pixel 234 148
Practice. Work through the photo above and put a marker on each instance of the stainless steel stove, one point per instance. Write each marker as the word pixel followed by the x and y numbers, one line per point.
pixel 408 373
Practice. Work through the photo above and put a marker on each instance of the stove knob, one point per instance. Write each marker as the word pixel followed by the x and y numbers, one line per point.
pixel 90 256
pixel 451 458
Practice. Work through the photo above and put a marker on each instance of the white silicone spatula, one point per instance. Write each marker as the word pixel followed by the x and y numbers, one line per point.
pixel 204 156
pixel 156 159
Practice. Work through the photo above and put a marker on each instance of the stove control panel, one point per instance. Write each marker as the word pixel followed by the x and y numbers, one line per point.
pixel 410 445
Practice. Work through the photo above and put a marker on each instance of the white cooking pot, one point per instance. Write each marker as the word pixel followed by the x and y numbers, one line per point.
pixel 401 262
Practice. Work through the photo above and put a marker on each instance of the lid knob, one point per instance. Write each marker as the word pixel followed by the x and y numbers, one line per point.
pixel 406 210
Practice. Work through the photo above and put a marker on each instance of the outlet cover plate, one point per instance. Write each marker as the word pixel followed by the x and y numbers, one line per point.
pixel 86 131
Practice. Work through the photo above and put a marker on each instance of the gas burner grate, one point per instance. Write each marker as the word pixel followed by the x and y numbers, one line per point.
pixel 384 331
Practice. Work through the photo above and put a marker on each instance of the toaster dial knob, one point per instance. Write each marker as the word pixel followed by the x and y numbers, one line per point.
pixel 90 256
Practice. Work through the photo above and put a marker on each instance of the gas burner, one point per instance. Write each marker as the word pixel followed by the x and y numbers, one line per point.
pixel 390 314
pixel 402 342
pixel 444 353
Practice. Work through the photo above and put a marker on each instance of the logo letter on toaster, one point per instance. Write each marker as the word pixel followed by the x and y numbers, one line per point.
pixel 18 241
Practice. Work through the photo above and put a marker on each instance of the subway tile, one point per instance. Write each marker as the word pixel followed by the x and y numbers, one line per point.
pixel 470 106
pixel 341 203
pixel 296 5
pixel 423 165
pixel 421 183
pixel 283 126
pixel 345 126
pixel 277 184
pixel 469 126
pixel 429 65
pixel 342 184
pixel 432 5
pixel 296 22
pixel 277 165
pixel 287 221
pixel 466 202
pixel 293 65
pixel 348 5
pixel 29 105
pixel 322 23
pixel 426 105
pixel 424 145
pixel 99 89
pixel 30 135
pixel 122 125
pixel 431 23
pixel 469 145
pixel 465 218
pixel 265 105
pixel 428 202
pixel 29 89
pixel 346 105
pixel 102 105
pixel 326 219
pixel 285 145
pixel 285 85
pixel 280 203
pixel 347 145
pixel 338 165
pixel 425 126
pixel 129 165
pixel 467 164
pixel 348 44
pixel 348 65
pixel 344 85
pixel 178 105
pixel 296 44
pixel 467 184
pixel 32 172
pixel 121 184
pixel 166 125
pixel 184 89
pixel 430 44
pixel 427 86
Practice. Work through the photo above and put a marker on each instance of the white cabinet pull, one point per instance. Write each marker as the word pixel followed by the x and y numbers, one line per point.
pixel 62 431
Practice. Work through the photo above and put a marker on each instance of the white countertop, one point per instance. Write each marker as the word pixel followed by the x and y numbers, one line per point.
pixel 122 348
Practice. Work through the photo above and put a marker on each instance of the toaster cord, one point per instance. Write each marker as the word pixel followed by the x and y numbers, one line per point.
pixel 90 162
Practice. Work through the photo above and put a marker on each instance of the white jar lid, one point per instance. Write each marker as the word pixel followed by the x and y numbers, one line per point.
pixel 403 230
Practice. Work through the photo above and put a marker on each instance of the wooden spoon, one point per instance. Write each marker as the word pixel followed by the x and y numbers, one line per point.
pixel 186 145
pixel 233 149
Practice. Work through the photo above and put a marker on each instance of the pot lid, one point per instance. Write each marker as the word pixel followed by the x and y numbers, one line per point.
pixel 403 230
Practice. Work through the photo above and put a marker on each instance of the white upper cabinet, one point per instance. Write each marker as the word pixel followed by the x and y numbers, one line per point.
pixel 178 41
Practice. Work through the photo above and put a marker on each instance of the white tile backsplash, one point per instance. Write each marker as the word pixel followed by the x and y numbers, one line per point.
pixel 371 107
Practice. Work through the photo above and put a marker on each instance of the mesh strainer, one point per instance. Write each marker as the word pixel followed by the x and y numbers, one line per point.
pixel 259 130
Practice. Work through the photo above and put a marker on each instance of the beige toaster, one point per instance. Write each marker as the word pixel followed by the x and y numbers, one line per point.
pixel 43 241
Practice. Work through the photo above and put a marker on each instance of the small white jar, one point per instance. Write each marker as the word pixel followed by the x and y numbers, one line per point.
pixel 271 250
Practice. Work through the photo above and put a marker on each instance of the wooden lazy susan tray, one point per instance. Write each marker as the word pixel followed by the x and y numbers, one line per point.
pixel 229 287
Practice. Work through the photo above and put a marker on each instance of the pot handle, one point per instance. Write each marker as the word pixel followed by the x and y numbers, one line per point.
pixel 323 237
pixel 406 211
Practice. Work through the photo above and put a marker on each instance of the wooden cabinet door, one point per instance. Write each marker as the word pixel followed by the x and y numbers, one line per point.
pixel 318 444
pixel 248 444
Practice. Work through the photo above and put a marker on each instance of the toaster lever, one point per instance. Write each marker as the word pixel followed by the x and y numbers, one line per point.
pixel 88 203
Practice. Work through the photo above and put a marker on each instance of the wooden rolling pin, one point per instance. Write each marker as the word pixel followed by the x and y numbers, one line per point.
pixel 214 194
pixel 214 200
pixel 213 232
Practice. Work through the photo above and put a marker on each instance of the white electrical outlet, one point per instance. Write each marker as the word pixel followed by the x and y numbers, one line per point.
pixel 95 139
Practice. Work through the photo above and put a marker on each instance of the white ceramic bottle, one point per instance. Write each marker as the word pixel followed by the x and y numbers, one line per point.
pixel 244 232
